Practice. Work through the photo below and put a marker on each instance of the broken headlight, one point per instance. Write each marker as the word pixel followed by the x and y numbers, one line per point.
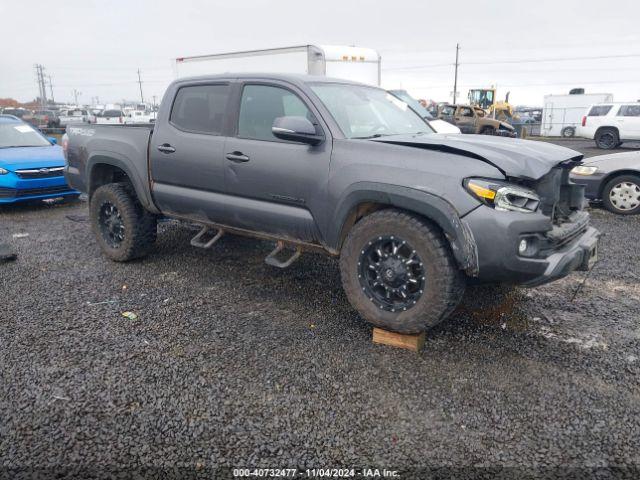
pixel 503 196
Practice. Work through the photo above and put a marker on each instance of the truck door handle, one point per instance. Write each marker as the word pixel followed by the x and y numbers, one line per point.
pixel 166 148
pixel 237 157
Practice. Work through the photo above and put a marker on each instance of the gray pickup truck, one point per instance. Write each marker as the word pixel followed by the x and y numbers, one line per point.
pixel 344 168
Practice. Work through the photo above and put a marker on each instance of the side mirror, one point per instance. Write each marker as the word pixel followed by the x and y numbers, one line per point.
pixel 52 140
pixel 296 129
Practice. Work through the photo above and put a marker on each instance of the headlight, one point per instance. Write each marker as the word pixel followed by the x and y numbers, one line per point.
pixel 503 196
pixel 3 171
pixel 584 170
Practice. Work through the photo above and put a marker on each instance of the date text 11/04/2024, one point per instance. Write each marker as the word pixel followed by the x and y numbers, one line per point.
pixel 316 472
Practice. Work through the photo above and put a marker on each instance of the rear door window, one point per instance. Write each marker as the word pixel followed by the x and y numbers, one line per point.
pixel 599 110
pixel 201 108
pixel 629 111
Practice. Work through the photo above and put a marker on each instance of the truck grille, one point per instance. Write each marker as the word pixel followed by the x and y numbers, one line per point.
pixel 27 192
pixel 40 172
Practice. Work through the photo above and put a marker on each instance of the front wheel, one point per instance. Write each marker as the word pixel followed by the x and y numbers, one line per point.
pixel 398 272
pixel 621 195
pixel 123 228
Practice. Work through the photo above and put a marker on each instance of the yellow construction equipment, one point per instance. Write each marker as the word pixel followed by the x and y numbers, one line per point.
pixel 485 98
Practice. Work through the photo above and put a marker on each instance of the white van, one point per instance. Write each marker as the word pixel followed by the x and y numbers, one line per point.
pixel 611 124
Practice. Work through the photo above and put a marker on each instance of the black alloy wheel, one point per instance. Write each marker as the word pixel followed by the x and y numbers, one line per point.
pixel 391 273
pixel 111 225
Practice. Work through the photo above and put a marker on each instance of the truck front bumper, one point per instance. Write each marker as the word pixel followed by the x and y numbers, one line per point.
pixel 498 236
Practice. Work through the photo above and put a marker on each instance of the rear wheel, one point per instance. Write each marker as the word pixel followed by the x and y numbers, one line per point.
pixel 398 272
pixel 607 138
pixel 568 132
pixel 621 195
pixel 123 228
pixel 488 131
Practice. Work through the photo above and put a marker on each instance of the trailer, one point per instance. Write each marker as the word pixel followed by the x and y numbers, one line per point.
pixel 561 114
pixel 346 62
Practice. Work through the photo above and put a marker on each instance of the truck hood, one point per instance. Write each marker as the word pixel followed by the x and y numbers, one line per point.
pixel 514 158
pixel 16 158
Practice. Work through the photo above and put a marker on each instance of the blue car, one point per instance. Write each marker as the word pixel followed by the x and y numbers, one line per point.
pixel 31 165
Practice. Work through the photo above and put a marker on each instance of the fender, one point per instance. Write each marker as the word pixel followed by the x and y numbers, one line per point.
pixel 117 160
pixel 428 205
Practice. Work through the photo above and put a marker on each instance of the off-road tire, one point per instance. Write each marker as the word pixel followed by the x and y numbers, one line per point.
pixel 140 226
pixel 606 200
pixel 607 138
pixel 444 284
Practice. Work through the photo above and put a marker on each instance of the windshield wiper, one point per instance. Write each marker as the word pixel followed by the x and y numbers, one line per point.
pixel 375 135
pixel 18 146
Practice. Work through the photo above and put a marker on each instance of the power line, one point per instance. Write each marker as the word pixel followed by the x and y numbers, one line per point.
pixel 512 62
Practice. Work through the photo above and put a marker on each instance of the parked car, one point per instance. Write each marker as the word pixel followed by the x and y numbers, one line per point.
pixel 43 119
pixel 342 168
pixel 611 124
pixel 16 112
pixel 76 115
pixel 614 179
pixel 31 165
pixel 110 116
pixel 139 116
pixel 440 126
pixel 471 119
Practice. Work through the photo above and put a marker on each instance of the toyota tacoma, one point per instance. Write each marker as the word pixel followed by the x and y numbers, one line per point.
pixel 313 163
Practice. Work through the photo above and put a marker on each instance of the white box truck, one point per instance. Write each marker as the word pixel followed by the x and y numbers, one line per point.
pixel 351 63
pixel 561 114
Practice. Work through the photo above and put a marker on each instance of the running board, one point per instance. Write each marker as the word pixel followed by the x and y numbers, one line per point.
pixel 275 262
pixel 198 241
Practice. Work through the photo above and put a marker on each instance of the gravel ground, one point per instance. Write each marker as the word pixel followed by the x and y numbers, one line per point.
pixel 231 363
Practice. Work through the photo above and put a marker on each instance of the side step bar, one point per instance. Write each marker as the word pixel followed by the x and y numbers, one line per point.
pixel 199 242
pixel 272 258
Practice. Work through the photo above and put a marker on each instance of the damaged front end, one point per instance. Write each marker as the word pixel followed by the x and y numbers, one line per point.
pixel 536 231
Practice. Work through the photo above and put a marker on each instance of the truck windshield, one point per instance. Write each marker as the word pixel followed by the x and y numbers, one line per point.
pixel 20 135
pixel 369 112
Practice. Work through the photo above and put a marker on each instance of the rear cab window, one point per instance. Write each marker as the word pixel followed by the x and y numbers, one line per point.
pixel 599 110
pixel 200 108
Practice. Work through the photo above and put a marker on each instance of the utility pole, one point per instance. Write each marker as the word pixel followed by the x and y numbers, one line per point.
pixel 51 89
pixel 41 86
pixel 140 83
pixel 154 102
pixel 76 94
pixel 455 79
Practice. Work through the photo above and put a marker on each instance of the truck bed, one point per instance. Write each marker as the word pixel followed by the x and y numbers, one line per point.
pixel 124 145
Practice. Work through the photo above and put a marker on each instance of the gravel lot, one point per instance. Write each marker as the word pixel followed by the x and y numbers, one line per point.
pixel 232 363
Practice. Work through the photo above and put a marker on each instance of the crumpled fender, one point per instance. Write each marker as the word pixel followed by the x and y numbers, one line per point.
pixel 433 207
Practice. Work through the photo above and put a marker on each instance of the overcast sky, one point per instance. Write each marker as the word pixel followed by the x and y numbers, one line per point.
pixel 97 46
